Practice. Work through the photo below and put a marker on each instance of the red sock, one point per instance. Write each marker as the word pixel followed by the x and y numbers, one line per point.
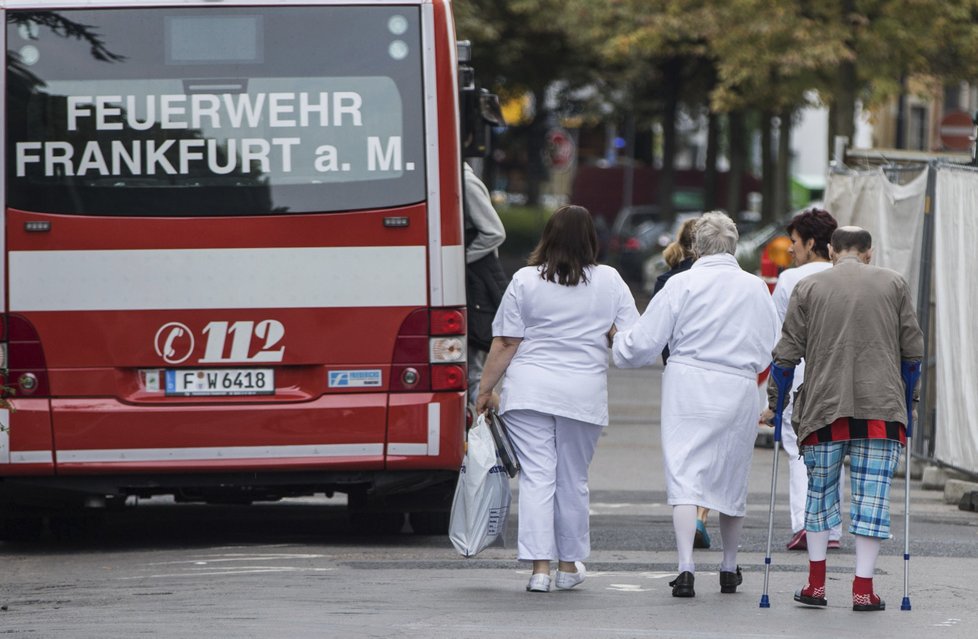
pixel 816 580
pixel 862 591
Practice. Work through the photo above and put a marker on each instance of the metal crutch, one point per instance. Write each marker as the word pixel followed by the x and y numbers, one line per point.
pixel 910 370
pixel 782 380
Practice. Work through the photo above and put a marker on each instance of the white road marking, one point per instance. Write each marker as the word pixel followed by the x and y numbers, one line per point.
pixel 206 559
pixel 242 571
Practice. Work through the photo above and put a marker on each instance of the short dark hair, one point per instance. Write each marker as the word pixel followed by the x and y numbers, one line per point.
pixel 815 224
pixel 569 245
pixel 848 238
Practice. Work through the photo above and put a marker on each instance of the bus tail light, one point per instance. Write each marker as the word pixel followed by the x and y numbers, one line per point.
pixel 430 351
pixel 448 377
pixel 447 350
pixel 27 374
pixel 410 369
pixel 447 321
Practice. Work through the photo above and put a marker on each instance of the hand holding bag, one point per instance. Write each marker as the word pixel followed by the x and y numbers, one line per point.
pixel 481 503
pixel 504 446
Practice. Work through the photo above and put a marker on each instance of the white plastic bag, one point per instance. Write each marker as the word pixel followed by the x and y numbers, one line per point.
pixel 482 497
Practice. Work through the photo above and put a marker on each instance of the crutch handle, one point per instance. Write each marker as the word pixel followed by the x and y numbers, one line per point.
pixel 910 370
pixel 782 381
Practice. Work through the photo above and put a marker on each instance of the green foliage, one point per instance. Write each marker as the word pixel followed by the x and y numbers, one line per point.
pixel 767 53
pixel 522 45
pixel 524 225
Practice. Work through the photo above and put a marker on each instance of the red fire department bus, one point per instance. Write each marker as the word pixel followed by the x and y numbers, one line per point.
pixel 233 256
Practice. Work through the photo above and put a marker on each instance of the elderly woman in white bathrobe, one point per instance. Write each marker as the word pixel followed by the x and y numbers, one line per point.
pixel 720 325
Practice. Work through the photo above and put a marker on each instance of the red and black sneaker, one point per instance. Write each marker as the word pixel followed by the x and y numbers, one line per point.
pixel 863 597
pixel 864 603
pixel 811 596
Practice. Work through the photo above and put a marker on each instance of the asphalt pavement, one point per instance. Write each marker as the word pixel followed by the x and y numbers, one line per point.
pixel 297 569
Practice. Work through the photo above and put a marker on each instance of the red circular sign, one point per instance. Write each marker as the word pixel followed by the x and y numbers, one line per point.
pixel 560 149
pixel 956 130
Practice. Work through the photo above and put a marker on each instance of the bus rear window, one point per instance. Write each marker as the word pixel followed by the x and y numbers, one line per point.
pixel 180 112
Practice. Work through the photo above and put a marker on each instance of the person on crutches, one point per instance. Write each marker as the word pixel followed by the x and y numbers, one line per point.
pixel 810 232
pixel 854 324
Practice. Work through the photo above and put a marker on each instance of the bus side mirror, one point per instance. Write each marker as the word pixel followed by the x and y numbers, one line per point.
pixel 480 112
pixel 478 109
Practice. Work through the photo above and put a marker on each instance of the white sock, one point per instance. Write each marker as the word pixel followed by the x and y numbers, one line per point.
pixel 684 523
pixel 867 549
pixel 730 528
pixel 818 545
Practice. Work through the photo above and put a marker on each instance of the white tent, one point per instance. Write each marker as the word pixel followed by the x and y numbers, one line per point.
pixel 895 214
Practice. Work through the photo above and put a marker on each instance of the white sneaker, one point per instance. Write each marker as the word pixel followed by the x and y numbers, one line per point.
pixel 567 580
pixel 539 582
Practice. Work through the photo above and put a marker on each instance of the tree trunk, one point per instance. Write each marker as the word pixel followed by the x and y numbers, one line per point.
pixel 738 160
pixel 842 113
pixel 768 177
pixel 536 171
pixel 782 185
pixel 710 196
pixel 644 141
pixel 901 119
pixel 667 176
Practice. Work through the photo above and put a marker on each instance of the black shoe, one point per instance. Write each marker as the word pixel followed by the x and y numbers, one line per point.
pixel 730 580
pixel 682 586
pixel 808 600
pixel 869 607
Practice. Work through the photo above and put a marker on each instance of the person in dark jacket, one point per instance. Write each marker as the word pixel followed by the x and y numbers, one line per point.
pixel 485 280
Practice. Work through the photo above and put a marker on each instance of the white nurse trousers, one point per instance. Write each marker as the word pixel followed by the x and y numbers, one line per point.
pixel 554 454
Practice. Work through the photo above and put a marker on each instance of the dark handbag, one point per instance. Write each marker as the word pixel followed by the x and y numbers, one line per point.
pixel 504 446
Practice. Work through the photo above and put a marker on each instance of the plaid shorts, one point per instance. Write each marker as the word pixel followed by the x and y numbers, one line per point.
pixel 871 466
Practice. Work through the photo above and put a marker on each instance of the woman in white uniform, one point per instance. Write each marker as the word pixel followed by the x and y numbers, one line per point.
pixel 550 338
pixel 720 324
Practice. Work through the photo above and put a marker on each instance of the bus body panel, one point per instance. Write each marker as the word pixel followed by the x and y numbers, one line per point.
pixel 341 432
pixel 28 448
pixel 111 305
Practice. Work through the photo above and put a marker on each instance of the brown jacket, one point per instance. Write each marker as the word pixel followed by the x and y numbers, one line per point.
pixel 853 324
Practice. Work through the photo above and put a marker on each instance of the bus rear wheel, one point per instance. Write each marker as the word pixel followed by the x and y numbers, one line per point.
pixel 430 522
pixel 377 523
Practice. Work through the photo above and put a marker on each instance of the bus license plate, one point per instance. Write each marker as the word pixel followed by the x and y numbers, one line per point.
pixel 220 381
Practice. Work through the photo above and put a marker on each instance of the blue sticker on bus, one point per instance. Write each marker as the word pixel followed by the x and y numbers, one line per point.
pixel 354 379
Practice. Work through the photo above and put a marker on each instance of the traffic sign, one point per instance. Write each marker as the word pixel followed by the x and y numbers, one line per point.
pixel 957 129
pixel 561 150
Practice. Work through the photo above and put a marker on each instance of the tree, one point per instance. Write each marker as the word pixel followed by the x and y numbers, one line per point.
pixel 524 46
pixel 741 57
pixel 657 53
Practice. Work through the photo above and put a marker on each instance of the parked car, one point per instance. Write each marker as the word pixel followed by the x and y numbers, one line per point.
pixel 633 237
pixel 637 247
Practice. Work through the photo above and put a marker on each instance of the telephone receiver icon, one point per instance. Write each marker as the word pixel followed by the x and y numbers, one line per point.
pixel 168 350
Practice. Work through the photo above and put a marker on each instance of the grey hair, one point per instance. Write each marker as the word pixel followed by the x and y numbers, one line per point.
pixel 715 233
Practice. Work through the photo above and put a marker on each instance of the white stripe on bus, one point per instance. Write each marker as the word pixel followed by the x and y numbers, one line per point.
pixel 217 453
pixel 31 457
pixel 432 447
pixel 432 156
pixel 188 279
pixel 453 269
